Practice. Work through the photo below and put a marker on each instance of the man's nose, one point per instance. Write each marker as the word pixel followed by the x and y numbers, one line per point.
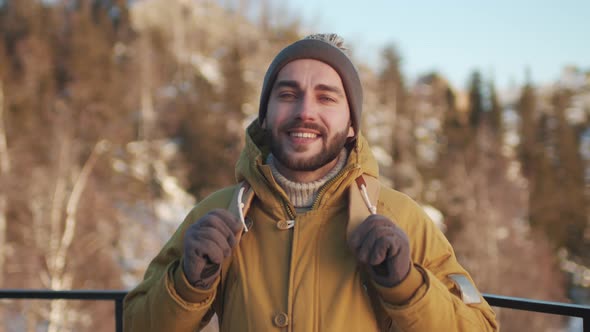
pixel 307 109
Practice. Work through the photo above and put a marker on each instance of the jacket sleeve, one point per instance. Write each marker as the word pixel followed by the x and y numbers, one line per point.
pixel 428 299
pixel 165 300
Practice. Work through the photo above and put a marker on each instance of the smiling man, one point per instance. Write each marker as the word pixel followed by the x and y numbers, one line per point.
pixel 309 240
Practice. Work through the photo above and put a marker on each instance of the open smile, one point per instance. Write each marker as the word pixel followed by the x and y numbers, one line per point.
pixel 303 135
pixel 299 134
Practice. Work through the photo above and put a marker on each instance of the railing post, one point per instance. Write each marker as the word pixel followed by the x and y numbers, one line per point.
pixel 586 323
pixel 119 314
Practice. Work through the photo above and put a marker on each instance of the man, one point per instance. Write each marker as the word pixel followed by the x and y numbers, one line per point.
pixel 320 253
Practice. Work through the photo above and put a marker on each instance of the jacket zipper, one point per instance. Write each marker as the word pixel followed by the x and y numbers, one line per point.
pixel 326 185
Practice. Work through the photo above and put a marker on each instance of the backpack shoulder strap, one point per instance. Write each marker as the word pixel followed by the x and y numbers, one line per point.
pixel 238 205
pixel 362 202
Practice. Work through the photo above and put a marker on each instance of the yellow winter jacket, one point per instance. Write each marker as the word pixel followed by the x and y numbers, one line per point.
pixel 305 278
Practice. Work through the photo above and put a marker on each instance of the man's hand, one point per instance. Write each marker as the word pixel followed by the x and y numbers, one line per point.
pixel 207 243
pixel 384 248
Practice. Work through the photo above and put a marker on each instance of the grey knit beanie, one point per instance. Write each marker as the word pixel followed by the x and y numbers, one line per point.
pixel 327 53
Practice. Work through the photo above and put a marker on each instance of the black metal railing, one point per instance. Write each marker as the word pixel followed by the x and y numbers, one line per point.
pixel 86 295
pixel 554 308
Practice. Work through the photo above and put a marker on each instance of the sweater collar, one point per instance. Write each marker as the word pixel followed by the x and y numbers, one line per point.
pixel 302 195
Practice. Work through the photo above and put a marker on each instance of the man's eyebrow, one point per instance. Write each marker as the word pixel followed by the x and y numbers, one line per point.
pixel 319 87
pixel 330 88
pixel 287 84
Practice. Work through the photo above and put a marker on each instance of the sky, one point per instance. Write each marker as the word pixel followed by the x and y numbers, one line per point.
pixel 501 38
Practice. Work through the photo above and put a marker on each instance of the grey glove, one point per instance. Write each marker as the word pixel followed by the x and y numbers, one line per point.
pixel 378 243
pixel 207 243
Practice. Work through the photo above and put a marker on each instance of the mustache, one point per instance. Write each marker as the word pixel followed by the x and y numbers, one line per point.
pixel 298 124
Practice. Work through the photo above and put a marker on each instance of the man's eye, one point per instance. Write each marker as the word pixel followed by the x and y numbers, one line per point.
pixel 287 95
pixel 327 99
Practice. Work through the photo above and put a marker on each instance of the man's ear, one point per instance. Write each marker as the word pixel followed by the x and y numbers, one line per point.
pixel 350 131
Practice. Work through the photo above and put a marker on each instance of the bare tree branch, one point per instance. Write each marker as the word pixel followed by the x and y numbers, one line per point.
pixel 4 170
pixel 60 278
pixel 59 197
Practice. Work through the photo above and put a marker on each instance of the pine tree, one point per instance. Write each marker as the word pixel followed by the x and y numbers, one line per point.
pixel 206 145
pixel 476 100
pixel 569 170
pixel 495 112
pixel 235 88
pixel 391 81
pixel 544 194
pixel 526 108
pixel 455 133
pixel 392 95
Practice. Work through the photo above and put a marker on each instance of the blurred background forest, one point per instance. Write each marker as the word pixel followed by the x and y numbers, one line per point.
pixel 117 116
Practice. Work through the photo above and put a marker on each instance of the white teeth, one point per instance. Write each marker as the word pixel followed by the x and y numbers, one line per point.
pixel 303 135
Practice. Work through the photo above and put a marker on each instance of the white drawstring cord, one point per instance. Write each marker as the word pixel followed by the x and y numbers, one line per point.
pixel 365 195
pixel 241 209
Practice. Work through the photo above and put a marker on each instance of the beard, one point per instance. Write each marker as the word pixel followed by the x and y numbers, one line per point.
pixel 331 148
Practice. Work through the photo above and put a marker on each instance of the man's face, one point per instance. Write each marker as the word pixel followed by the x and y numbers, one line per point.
pixel 308 116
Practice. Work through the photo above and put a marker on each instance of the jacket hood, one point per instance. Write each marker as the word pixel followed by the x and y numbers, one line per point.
pixel 251 164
